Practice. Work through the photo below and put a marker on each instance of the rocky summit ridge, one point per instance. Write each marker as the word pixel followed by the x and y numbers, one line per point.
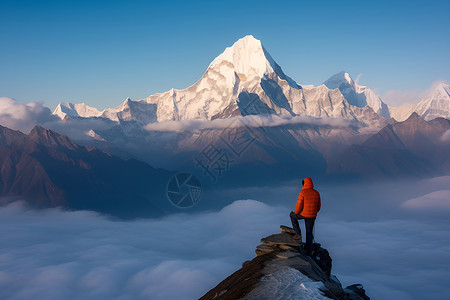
pixel 282 270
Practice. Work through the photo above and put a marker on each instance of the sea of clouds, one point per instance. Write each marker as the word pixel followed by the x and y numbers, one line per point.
pixel 56 254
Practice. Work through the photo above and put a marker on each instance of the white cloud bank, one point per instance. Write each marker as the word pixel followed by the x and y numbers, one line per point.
pixel 52 254
pixel 413 96
pixel 438 200
pixel 23 117
pixel 393 259
pixel 446 136
pixel 250 121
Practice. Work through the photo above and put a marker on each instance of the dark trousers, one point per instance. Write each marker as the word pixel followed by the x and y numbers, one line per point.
pixel 309 224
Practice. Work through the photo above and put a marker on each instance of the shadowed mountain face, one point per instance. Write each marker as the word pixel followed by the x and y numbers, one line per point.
pixel 47 169
pixel 414 147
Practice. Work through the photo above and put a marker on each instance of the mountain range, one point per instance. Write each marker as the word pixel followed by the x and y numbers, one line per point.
pixel 412 148
pixel 244 123
pixel 436 104
pixel 245 74
pixel 47 169
pixel 292 126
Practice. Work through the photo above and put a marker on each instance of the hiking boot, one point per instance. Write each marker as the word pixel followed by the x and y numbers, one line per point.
pixel 297 237
pixel 286 229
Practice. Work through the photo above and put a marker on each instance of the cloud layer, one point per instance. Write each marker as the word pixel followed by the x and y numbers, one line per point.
pixel 438 201
pixel 446 136
pixel 23 117
pixel 250 121
pixel 56 254
pixel 393 259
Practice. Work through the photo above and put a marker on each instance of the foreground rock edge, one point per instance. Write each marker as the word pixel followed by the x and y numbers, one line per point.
pixel 273 256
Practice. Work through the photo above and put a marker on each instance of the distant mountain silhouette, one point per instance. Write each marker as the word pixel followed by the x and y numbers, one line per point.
pixel 47 169
pixel 410 148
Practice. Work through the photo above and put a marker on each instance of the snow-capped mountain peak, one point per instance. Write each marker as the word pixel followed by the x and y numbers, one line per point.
pixel 441 90
pixel 436 104
pixel 357 95
pixel 244 66
pixel 246 80
pixel 67 109
pixel 249 59
pixel 335 81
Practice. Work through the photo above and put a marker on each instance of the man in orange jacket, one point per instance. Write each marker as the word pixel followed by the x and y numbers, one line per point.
pixel 308 205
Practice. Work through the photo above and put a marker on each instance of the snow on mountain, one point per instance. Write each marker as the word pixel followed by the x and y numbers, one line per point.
pixel 64 110
pixel 244 67
pixel 250 59
pixel 401 113
pixel 357 95
pixel 130 110
pixel 436 104
pixel 94 135
pixel 243 80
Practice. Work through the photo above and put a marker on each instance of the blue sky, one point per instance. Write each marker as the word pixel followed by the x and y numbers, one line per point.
pixel 101 52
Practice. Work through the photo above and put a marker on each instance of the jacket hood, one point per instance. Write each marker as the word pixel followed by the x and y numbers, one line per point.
pixel 308 184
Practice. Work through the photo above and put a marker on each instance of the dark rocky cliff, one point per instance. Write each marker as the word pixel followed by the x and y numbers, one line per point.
pixel 282 270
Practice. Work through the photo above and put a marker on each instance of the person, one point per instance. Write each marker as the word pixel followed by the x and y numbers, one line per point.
pixel 308 205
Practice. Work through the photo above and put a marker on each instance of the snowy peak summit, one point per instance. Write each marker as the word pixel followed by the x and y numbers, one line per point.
pixel 249 59
pixel 68 109
pixel 246 55
pixel 436 104
pixel 335 81
pixel 442 90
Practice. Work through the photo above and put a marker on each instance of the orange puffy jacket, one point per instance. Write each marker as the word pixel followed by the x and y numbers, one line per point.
pixel 308 202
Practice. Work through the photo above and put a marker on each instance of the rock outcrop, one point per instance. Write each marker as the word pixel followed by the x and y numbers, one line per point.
pixel 282 270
